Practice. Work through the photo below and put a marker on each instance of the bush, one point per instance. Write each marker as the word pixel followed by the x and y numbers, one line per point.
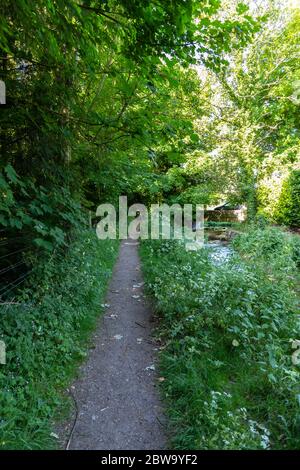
pixel 42 216
pixel 45 337
pixel 288 207
pixel 270 243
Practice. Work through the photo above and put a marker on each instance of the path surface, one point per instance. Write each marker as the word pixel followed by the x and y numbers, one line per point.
pixel 117 394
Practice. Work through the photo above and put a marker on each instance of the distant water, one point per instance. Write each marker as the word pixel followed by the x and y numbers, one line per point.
pixel 219 252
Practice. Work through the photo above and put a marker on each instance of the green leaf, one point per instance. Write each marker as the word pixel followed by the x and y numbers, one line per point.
pixel 11 174
pixel 242 8
pixel 194 138
pixel 43 244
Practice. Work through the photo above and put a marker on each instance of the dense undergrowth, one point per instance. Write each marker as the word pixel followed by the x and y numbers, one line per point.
pixel 46 336
pixel 229 378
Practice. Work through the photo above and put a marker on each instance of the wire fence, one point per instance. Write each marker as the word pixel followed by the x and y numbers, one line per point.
pixel 11 267
pixel 13 253
pixel 12 263
pixel 12 285
pixel 14 270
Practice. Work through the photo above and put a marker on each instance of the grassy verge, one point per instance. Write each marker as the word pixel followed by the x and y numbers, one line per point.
pixel 46 337
pixel 227 329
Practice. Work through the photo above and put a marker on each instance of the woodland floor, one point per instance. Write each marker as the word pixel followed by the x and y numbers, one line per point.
pixel 116 394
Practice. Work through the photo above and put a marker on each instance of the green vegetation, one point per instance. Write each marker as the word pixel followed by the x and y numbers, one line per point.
pixel 100 101
pixel 100 94
pixel 189 102
pixel 163 101
pixel 227 330
pixel 288 205
pixel 46 337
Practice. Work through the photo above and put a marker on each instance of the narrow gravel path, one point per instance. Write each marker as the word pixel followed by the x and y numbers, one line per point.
pixel 117 395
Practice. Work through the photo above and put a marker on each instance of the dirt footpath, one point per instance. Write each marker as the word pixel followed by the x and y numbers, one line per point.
pixel 117 397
